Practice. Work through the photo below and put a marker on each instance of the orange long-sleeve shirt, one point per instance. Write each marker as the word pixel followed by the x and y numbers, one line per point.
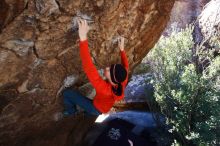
pixel 104 98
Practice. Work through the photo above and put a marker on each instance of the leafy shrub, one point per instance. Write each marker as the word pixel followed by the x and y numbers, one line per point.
pixel 186 79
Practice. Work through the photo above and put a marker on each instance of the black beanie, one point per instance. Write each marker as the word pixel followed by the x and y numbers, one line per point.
pixel 118 73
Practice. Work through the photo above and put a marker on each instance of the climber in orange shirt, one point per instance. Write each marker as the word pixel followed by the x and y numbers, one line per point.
pixel 107 91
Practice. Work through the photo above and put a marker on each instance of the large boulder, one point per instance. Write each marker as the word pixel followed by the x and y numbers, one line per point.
pixel 185 12
pixel 209 19
pixel 39 54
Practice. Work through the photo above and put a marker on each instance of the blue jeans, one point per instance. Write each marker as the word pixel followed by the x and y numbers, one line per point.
pixel 73 98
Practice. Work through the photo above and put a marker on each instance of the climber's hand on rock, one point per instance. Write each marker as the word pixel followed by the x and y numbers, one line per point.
pixel 83 29
pixel 121 42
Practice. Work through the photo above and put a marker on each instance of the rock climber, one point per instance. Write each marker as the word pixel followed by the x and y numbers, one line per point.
pixel 107 91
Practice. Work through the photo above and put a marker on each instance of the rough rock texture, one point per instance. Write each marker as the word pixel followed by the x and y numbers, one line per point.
pixel 139 89
pixel 209 19
pixel 39 54
pixel 9 9
pixel 185 12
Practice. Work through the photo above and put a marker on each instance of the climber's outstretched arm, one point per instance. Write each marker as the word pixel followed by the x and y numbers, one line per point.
pixel 88 66
pixel 124 59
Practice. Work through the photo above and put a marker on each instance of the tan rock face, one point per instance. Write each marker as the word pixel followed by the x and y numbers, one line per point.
pixel 39 52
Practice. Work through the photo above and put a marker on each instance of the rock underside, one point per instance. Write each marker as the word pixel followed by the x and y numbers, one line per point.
pixel 39 56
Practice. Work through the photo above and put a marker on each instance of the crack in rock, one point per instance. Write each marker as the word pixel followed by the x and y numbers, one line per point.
pixel 20 46
pixel 82 16
pixel 47 7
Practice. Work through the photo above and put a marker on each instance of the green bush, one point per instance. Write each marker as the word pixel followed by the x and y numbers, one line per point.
pixel 186 79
